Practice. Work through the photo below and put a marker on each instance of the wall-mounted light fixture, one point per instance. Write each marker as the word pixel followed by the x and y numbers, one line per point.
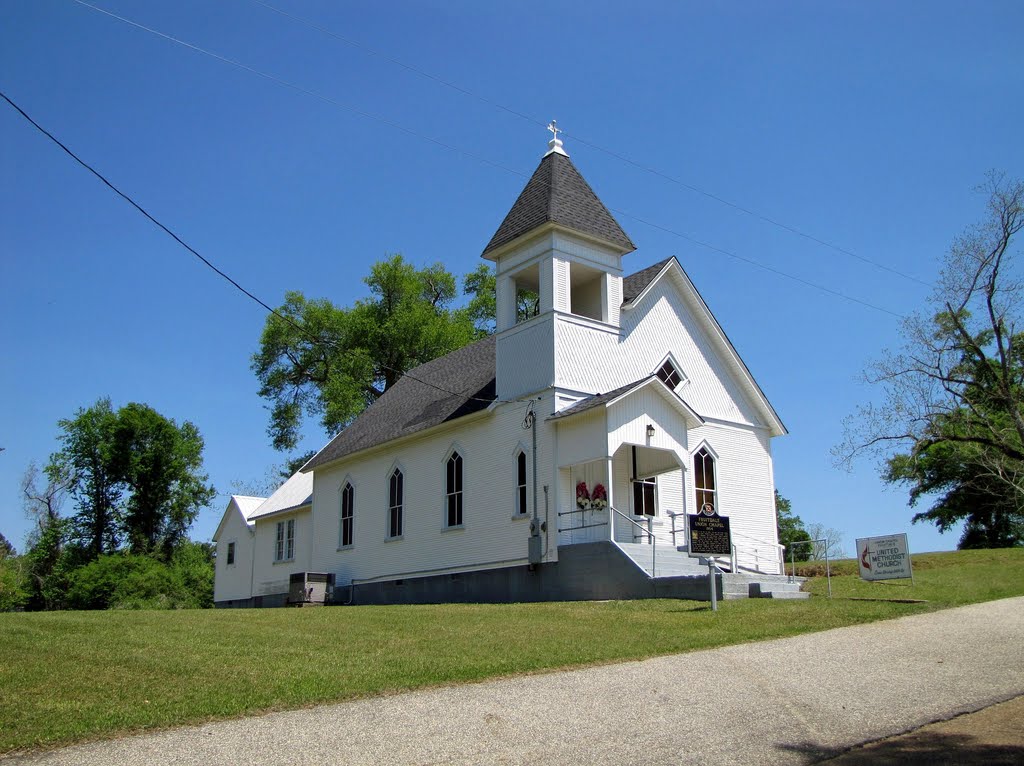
pixel 650 431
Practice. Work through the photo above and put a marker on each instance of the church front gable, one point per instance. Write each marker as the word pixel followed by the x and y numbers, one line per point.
pixel 662 325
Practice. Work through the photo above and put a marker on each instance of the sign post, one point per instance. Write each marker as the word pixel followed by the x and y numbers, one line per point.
pixel 709 536
pixel 884 558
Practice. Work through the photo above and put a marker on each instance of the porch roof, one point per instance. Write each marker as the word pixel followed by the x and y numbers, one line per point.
pixel 584 405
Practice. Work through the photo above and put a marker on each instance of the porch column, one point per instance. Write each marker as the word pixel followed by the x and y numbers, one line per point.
pixel 611 496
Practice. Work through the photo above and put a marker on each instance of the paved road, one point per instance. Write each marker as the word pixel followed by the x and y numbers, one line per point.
pixel 991 737
pixel 788 701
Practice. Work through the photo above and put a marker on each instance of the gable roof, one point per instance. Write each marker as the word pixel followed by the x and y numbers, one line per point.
pixel 599 400
pixel 297 492
pixel 557 193
pixel 634 284
pixel 644 280
pixel 245 506
pixel 447 388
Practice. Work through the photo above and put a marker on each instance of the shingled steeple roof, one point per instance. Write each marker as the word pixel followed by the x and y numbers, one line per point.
pixel 557 193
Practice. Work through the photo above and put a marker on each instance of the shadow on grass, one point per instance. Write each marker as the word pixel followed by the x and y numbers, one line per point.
pixel 922 747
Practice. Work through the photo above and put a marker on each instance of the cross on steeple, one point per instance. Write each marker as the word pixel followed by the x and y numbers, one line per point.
pixel 555 144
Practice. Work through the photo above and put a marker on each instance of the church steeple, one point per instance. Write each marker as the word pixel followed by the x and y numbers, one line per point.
pixel 558 272
pixel 557 194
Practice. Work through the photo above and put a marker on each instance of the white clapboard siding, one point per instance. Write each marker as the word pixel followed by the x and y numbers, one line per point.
pixel 233 581
pixel 588 356
pixel 492 534
pixel 524 357
pixel 745 490
pixel 270 577
pixel 662 323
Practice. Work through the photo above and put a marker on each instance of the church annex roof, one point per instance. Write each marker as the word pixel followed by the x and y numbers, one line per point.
pixel 557 193
pixel 441 390
pixel 634 284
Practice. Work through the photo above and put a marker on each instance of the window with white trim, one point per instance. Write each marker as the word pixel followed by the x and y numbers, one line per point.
pixel 644 497
pixel 453 491
pixel 704 479
pixel 670 375
pixel 284 545
pixel 231 554
pixel 348 501
pixel 396 494
pixel 521 508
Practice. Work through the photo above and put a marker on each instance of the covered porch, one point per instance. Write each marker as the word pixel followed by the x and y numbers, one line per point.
pixel 621 466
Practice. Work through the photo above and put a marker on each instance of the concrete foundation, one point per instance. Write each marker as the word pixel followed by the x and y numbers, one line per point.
pixel 585 572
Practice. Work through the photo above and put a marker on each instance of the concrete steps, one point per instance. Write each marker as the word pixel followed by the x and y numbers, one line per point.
pixel 762 586
pixel 669 562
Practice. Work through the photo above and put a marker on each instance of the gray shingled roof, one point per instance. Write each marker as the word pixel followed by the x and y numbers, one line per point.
pixel 557 193
pixel 598 399
pixel 601 399
pixel 634 284
pixel 444 389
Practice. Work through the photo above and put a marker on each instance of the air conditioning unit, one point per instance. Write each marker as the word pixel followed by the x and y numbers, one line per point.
pixel 310 588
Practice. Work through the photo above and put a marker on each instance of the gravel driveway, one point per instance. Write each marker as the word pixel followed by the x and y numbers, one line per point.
pixel 787 701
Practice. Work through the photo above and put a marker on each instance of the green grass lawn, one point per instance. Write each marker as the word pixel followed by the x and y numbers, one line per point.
pixel 70 676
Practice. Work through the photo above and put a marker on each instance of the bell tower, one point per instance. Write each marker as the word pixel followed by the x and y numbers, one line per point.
pixel 558 260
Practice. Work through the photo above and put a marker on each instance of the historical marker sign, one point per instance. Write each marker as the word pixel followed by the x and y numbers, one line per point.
pixel 884 558
pixel 709 534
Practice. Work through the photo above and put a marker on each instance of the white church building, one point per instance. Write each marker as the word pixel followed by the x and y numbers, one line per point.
pixel 553 460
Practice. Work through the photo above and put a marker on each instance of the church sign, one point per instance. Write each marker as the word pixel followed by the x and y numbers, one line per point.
pixel 709 533
pixel 884 558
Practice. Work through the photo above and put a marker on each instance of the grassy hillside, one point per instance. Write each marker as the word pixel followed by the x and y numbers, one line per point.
pixel 69 676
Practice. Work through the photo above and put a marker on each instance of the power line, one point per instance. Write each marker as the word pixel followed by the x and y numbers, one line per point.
pixel 616 155
pixel 313 339
pixel 478 158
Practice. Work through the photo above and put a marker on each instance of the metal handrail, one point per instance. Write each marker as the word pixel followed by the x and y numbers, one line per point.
pixel 645 529
pixel 778 548
pixel 584 524
pixel 652 538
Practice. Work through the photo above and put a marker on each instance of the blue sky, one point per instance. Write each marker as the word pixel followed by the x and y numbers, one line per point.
pixel 864 124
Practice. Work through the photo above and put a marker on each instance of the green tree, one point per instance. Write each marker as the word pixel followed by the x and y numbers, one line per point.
pixel 133 474
pixel 88 461
pixel 160 464
pixel 127 581
pixel 482 307
pixel 791 530
pixel 324 361
pixel 966 492
pixel 951 419
pixel 13 577
pixel 50 561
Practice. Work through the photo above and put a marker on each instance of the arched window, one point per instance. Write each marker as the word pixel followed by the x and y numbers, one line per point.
pixel 704 479
pixel 348 501
pixel 521 508
pixel 453 491
pixel 396 493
